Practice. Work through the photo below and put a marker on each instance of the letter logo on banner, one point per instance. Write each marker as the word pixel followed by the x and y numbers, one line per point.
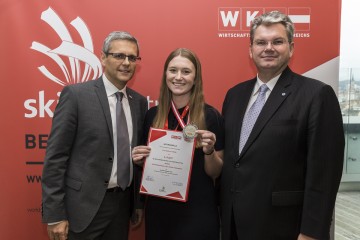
pixel 83 64
pixel 229 16
pixel 236 21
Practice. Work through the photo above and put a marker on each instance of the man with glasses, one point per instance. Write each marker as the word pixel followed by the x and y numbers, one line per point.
pixel 284 145
pixel 89 183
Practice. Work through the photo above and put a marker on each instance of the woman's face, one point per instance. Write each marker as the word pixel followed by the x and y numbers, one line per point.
pixel 180 76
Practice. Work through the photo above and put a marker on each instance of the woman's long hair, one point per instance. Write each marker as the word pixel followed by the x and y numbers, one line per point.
pixel 196 102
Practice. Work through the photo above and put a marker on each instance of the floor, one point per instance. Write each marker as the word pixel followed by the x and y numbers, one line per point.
pixel 347 216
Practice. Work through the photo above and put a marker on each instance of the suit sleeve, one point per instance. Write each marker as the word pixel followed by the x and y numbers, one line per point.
pixel 58 152
pixel 223 110
pixel 325 143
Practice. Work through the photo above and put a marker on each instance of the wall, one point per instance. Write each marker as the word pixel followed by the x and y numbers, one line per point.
pixel 46 45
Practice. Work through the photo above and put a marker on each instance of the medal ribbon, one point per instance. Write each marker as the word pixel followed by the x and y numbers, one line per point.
pixel 178 117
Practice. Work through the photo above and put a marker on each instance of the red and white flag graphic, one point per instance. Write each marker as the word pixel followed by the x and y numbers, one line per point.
pixel 300 18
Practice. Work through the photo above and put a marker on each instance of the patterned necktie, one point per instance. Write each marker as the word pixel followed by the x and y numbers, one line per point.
pixel 251 116
pixel 123 144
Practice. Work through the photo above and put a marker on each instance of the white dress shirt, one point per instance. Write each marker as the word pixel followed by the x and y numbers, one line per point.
pixel 110 92
pixel 270 84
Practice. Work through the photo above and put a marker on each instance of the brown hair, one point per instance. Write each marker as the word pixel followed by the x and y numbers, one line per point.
pixel 196 102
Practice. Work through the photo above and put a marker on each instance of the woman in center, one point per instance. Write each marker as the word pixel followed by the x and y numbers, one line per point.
pixel 198 218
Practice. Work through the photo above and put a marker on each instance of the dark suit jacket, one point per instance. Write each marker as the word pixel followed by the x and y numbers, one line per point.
pixel 80 151
pixel 286 179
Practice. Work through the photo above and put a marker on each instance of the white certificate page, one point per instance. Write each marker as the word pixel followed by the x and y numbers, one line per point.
pixel 167 170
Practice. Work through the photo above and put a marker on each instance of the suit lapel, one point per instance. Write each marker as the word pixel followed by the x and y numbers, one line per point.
pixel 134 108
pixel 101 94
pixel 278 95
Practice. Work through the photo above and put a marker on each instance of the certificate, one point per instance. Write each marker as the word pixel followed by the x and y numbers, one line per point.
pixel 168 167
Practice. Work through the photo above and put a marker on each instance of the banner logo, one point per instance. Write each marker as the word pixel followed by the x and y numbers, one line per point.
pixel 300 18
pixel 236 21
pixel 78 63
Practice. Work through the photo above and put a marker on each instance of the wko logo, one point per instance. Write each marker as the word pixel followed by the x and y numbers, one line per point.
pixel 235 19
pixel 77 63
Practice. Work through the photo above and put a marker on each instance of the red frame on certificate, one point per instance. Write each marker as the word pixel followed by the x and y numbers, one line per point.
pixel 167 170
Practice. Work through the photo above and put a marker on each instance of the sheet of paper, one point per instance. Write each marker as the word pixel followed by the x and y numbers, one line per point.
pixel 167 170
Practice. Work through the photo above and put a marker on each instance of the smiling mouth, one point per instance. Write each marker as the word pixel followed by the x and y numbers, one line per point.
pixel 178 84
pixel 124 71
pixel 269 58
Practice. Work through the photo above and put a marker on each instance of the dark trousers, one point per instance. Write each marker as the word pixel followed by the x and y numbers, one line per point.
pixel 111 222
pixel 233 227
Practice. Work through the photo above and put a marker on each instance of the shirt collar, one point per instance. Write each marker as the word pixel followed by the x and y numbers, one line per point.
pixel 270 84
pixel 111 89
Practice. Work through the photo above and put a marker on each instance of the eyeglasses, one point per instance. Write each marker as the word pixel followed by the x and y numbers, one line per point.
pixel 275 43
pixel 122 56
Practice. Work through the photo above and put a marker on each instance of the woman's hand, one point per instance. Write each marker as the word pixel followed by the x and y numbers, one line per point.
pixel 139 154
pixel 213 159
pixel 207 140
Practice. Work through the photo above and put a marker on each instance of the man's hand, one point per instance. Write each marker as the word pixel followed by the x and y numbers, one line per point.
pixel 304 237
pixel 136 218
pixel 58 231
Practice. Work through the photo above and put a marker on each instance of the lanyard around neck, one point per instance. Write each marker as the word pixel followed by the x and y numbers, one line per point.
pixel 179 118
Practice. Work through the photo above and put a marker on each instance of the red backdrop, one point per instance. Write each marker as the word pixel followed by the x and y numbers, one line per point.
pixel 36 69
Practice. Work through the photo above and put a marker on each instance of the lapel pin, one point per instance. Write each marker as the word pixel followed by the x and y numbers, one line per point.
pixel 283 94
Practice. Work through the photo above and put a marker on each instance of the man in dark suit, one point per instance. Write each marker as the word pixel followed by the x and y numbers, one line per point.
pixel 81 195
pixel 280 181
